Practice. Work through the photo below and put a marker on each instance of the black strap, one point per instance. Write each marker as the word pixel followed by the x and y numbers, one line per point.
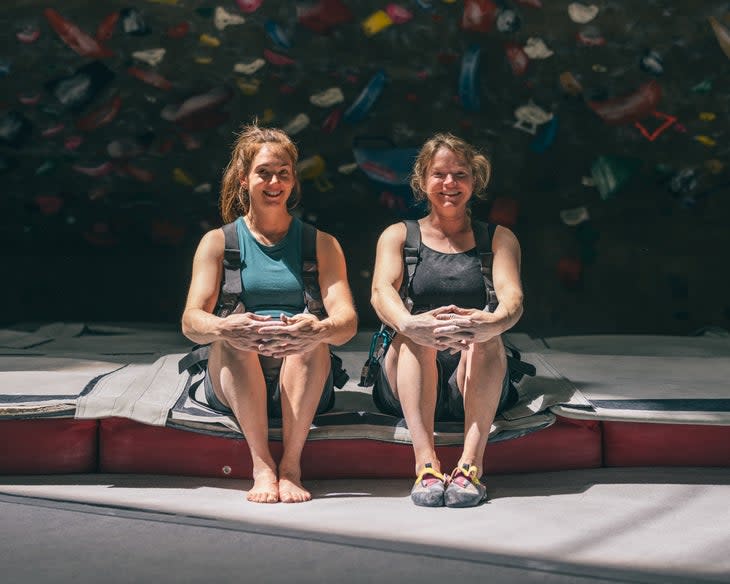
pixel 195 361
pixel 310 272
pixel 411 259
pixel 483 235
pixel 231 285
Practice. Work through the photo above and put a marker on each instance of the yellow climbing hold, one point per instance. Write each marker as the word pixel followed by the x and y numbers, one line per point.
pixel 310 168
pixel 269 115
pixel 706 140
pixel 376 22
pixel 248 86
pixel 714 166
pixel 203 60
pixel 707 116
pixel 209 41
pixel 181 177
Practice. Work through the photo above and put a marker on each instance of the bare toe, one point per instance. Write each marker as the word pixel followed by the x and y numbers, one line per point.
pixel 291 491
pixel 265 489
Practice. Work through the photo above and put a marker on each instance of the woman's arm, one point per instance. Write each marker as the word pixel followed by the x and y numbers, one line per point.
pixel 387 278
pixel 340 325
pixel 199 324
pixel 506 278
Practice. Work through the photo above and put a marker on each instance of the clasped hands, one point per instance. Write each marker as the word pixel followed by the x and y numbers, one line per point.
pixel 451 328
pixel 271 336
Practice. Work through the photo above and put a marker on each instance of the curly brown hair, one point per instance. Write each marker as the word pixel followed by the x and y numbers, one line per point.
pixel 481 167
pixel 234 199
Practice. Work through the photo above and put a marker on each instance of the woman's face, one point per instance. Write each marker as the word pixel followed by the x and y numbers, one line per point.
pixel 271 178
pixel 449 182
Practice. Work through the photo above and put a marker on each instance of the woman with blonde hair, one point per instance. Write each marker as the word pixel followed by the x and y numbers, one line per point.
pixel 447 360
pixel 270 357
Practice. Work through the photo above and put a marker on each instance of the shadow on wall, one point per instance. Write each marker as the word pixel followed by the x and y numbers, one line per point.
pixel 607 126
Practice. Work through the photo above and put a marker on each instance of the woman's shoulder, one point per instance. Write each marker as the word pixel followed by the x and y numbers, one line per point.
pixel 213 242
pixel 504 236
pixel 395 231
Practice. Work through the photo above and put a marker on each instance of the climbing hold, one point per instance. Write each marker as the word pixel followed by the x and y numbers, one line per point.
pixel 74 37
pixel 574 216
pixel 179 30
pixel 365 101
pixel 535 48
pixel 327 98
pixel 508 20
pixel 77 90
pixel 277 34
pixel 332 121
pixel 249 6
pixel 249 68
pixel 722 34
pixel 630 108
pixel 222 18
pixel 209 40
pixel 468 81
pixel 323 15
pixel 582 14
pixel 100 117
pixel 297 124
pixel 248 86
pixel 706 140
pixel 152 57
pixel 398 14
pixel 181 177
pixel 652 62
pixel 133 22
pixel 530 116
pixel 545 136
pixel 569 84
pixel 150 77
pixel 277 58
pixel 517 58
pixel 611 173
pixel 105 30
pixel 28 33
pixel 479 15
pixel 376 22
pixel 590 36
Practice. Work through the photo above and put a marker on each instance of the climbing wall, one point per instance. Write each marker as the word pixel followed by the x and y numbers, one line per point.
pixel 607 124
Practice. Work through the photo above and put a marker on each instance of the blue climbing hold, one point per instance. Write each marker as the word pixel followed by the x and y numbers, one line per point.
pixel 468 82
pixel 365 101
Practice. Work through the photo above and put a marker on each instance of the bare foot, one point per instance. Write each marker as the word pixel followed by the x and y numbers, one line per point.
pixel 265 488
pixel 291 489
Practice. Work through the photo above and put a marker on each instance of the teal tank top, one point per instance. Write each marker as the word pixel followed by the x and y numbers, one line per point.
pixel 272 274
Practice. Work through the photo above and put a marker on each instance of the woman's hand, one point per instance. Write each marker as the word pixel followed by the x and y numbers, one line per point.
pixel 423 329
pixel 242 330
pixel 290 335
pixel 459 327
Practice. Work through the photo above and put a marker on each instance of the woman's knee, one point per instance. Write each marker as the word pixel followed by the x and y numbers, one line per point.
pixel 421 353
pixel 490 352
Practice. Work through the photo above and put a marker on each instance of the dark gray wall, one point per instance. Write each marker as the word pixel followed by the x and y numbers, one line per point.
pixel 119 246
